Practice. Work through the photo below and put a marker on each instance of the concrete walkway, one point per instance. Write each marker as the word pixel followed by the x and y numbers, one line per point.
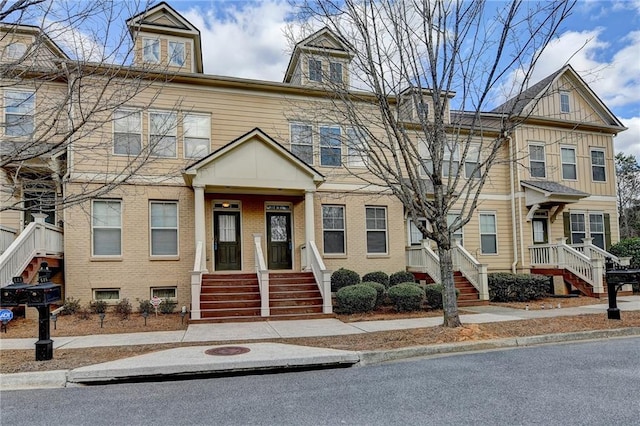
pixel 194 360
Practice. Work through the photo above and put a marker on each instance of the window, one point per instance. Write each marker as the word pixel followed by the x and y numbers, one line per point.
pixel 488 233
pixel 451 159
pixel 598 171
pixel 197 130
pixel 19 108
pixel 127 139
pixel 333 229
pixel 564 102
pixel 151 50
pixel 162 134
pixel 335 72
pixel 107 294
pixel 578 228
pixel 425 157
pixel 330 146
pixel 315 70
pixel 415 235
pixel 471 170
pixel 458 235
pixel 302 142
pixel 164 228
pixel 596 229
pixel 176 53
pixel 376 223
pixel 15 50
pixel 107 228
pixel 568 156
pixel 356 148
pixel 537 165
pixel 164 293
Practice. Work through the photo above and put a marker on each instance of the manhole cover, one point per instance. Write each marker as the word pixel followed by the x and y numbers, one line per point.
pixel 227 351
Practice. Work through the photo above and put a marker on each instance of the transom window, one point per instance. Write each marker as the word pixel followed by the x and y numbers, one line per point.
pixel 335 72
pixel 537 162
pixel 564 102
pixel 127 137
pixel 376 224
pixel 569 171
pixel 333 229
pixel 330 146
pixel 107 227
pixel 176 53
pixel 598 169
pixel 164 228
pixel 162 134
pixel 488 233
pixel 197 133
pixel 315 70
pixel 151 50
pixel 302 142
pixel 19 109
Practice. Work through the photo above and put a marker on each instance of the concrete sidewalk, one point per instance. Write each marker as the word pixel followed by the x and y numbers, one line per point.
pixel 194 360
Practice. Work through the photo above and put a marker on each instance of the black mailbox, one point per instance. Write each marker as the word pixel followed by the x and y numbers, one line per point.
pixel 43 294
pixel 14 294
pixel 616 278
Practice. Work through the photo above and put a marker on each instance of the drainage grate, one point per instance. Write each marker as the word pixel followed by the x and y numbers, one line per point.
pixel 227 351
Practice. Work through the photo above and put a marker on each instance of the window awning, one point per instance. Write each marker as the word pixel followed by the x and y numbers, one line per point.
pixel 549 195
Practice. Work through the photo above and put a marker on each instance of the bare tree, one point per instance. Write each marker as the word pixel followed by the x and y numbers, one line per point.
pixel 67 69
pixel 628 188
pixel 418 55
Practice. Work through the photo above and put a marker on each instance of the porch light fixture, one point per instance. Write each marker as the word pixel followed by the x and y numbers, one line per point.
pixel 225 205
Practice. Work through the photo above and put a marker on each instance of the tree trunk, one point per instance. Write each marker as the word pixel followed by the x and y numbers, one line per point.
pixel 449 300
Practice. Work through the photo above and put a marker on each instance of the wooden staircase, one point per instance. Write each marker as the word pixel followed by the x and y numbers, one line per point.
pixel 236 297
pixel 468 295
pixel 583 287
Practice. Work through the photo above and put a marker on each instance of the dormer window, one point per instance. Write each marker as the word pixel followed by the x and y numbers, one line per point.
pixel 335 72
pixel 16 50
pixel 564 102
pixel 315 70
pixel 151 50
pixel 176 53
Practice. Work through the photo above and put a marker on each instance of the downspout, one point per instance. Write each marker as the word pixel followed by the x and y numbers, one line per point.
pixel 513 205
pixel 70 83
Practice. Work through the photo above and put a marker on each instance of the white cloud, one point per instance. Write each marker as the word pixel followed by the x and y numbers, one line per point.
pixel 628 141
pixel 247 41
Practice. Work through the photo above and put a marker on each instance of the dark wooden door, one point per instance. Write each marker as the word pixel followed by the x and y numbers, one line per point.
pixel 279 240
pixel 227 241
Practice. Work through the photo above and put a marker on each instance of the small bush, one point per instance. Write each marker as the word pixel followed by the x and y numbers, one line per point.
pixel 71 306
pixel 98 307
pixel 406 297
pixel 433 294
pixel 507 287
pixel 343 278
pixel 145 306
pixel 401 277
pixel 124 309
pixel 167 306
pixel 380 290
pixel 83 313
pixel 377 277
pixel 356 298
pixel 629 247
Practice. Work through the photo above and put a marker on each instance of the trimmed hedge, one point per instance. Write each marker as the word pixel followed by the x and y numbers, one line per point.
pixel 377 277
pixel 343 278
pixel 380 290
pixel 433 294
pixel 356 298
pixel 507 287
pixel 406 297
pixel 401 277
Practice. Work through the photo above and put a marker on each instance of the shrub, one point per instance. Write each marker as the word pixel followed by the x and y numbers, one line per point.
pixel 83 313
pixel 507 287
pixel 377 277
pixel 98 307
pixel 124 309
pixel 356 298
pixel 379 288
pixel 167 306
pixel 433 294
pixel 343 278
pixel 406 297
pixel 629 247
pixel 71 306
pixel 401 277
pixel 145 306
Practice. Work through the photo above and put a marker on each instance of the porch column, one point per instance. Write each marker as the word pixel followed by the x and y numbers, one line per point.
pixel 309 225
pixel 199 214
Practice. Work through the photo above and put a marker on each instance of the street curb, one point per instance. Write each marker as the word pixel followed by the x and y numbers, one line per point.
pixel 375 357
pixel 34 380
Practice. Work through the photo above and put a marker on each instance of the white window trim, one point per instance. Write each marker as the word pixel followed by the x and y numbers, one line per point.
pixel 144 45
pixel 588 227
pixel 302 123
pixel 107 256
pixel 95 292
pixel 174 288
pixel 603 166
pixel 585 218
pixel 185 136
pixel 173 132
pixel 495 216
pixel 331 74
pixel 543 161
pixel 386 231
pixel 15 50
pixel 360 159
pixel 129 111
pixel 171 57
pixel 344 230
pixel 320 145
pixel 470 151
pixel 574 164
pixel 409 236
pixel 309 62
pixel 177 229
pixel 568 109
pixel 5 112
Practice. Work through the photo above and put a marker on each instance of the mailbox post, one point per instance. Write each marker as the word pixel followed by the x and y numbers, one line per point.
pixel 616 278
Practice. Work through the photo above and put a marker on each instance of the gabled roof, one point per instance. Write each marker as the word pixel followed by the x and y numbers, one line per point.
pixel 36 32
pixel 164 19
pixel 323 41
pixel 548 193
pixel 526 100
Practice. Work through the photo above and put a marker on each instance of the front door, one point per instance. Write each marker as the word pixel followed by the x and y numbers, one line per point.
pixel 540 231
pixel 226 243
pixel 279 240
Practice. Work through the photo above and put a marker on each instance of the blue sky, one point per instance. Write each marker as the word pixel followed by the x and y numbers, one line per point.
pixel 247 39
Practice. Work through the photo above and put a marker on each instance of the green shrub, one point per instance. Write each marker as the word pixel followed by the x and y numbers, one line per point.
pixel 406 297
pixel 377 277
pixel 343 278
pixel 71 306
pixel 124 309
pixel 507 287
pixel 380 290
pixel 433 294
pixel 356 298
pixel 98 307
pixel 401 277
pixel 629 247
pixel 145 306
pixel 167 306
